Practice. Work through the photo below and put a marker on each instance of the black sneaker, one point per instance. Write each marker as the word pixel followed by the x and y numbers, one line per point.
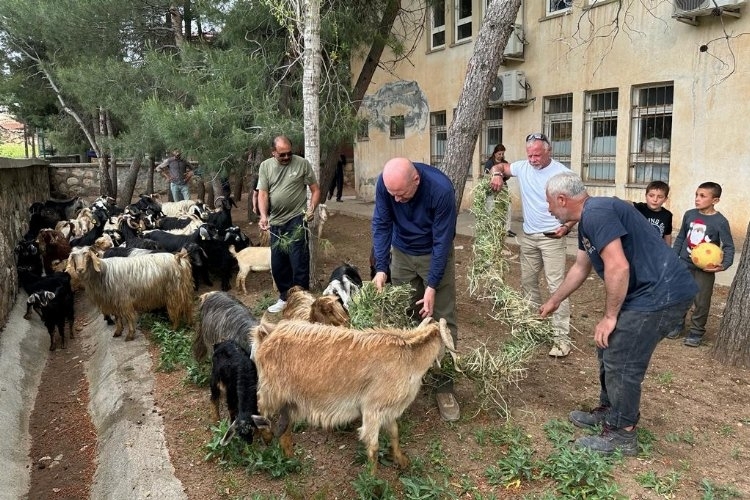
pixel 674 333
pixel 589 419
pixel 510 234
pixel 610 441
pixel 692 341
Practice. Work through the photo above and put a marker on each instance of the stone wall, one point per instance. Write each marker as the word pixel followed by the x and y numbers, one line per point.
pixel 67 180
pixel 22 182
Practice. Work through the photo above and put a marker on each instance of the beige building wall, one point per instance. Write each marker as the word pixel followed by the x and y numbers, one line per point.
pixel 579 50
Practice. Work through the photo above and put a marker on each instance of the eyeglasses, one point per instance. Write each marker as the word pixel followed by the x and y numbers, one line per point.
pixel 537 137
pixel 284 155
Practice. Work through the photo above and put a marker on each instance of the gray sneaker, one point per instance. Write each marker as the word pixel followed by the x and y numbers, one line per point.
pixel 611 440
pixel 588 419
pixel 692 340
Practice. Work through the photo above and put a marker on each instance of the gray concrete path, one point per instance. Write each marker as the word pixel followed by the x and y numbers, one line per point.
pixel 132 456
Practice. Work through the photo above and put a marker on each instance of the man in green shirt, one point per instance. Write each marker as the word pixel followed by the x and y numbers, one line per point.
pixel 282 201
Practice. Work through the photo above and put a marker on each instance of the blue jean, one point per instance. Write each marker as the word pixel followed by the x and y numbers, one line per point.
pixel 178 190
pixel 623 364
pixel 290 260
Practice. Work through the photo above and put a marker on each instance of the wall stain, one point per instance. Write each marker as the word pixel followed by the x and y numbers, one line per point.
pixel 398 98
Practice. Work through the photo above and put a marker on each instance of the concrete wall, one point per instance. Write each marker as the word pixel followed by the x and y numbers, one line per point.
pixel 564 55
pixel 22 182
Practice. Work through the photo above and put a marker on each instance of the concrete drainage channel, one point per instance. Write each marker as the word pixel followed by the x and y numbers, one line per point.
pixel 132 457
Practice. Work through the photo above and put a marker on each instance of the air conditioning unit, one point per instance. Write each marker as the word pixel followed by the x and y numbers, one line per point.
pixel 694 8
pixel 514 47
pixel 509 86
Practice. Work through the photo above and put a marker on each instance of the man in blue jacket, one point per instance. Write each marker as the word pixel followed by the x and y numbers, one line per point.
pixel 413 227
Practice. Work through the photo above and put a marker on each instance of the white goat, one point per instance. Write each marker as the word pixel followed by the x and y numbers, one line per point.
pixel 126 286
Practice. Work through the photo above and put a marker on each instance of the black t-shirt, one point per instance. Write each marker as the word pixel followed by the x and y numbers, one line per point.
pixel 661 220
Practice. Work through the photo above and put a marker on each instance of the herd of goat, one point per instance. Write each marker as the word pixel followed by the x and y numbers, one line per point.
pixel 152 255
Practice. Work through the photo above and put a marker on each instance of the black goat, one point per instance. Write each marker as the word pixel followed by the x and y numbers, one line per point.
pixel 234 372
pixel 55 308
pixel 175 242
pixel 221 218
pixel 33 283
pixel 29 257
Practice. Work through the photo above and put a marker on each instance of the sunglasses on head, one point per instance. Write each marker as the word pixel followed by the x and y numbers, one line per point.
pixel 537 137
pixel 284 155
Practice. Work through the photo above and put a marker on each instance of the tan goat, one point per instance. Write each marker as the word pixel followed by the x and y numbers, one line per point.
pixel 330 376
pixel 251 259
pixel 303 305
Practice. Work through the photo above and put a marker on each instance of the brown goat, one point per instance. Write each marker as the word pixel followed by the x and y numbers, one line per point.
pixel 53 246
pixel 303 305
pixel 372 374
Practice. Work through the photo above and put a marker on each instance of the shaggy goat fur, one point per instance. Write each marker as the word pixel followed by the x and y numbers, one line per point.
pixel 221 317
pixel 372 374
pixel 126 286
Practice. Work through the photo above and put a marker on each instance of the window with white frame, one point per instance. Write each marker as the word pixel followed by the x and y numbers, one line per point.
pixel 558 126
pixel 651 133
pixel 555 6
pixel 437 25
pixel 438 137
pixel 491 133
pixel 463 20
pixel 600 136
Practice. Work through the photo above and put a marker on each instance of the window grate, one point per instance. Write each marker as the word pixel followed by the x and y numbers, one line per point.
pixel 651 133
pixel 438 137
pixel 558 126
pixel 600 136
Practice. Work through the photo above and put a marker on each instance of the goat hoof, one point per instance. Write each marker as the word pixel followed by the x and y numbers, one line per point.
pixel 27 316
pixel 128 338
pixel 117 334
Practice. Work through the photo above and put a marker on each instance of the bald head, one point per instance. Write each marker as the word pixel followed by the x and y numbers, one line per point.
pixel 401 179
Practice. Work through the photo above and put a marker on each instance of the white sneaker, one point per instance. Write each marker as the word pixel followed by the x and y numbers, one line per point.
pixel 277 307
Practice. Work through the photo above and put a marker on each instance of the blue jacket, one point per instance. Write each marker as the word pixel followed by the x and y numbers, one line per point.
pixel 425 225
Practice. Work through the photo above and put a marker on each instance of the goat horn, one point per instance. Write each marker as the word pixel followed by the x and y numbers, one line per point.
pixel 445 334
pixel 229 434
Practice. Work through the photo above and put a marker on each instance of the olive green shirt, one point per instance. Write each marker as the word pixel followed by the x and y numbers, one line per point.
pixel 286 187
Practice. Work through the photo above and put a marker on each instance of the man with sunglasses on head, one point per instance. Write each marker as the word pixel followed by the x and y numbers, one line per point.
pixel 283 180
pixel 543 245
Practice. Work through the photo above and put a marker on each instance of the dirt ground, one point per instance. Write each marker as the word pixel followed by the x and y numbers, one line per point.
pixel 697 410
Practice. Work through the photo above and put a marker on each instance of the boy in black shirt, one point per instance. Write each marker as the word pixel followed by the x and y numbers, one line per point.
pixel 659 217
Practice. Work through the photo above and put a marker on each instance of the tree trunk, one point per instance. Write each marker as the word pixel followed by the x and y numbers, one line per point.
pixel 732 344
pixel 311 112
pixel 131 179
pixel 113 158
pixel 480 75
pixel 105 183
pixel 150 179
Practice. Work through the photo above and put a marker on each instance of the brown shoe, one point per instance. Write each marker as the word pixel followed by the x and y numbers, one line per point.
pixel 448 406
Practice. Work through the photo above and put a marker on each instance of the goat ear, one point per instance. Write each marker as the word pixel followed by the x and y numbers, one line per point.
pixel 32 298
pixel 229 434
pixel 261 422
pixel 94 261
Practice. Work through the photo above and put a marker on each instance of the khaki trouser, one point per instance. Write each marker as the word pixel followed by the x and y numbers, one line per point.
pixel 414 270
pixel 539 253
